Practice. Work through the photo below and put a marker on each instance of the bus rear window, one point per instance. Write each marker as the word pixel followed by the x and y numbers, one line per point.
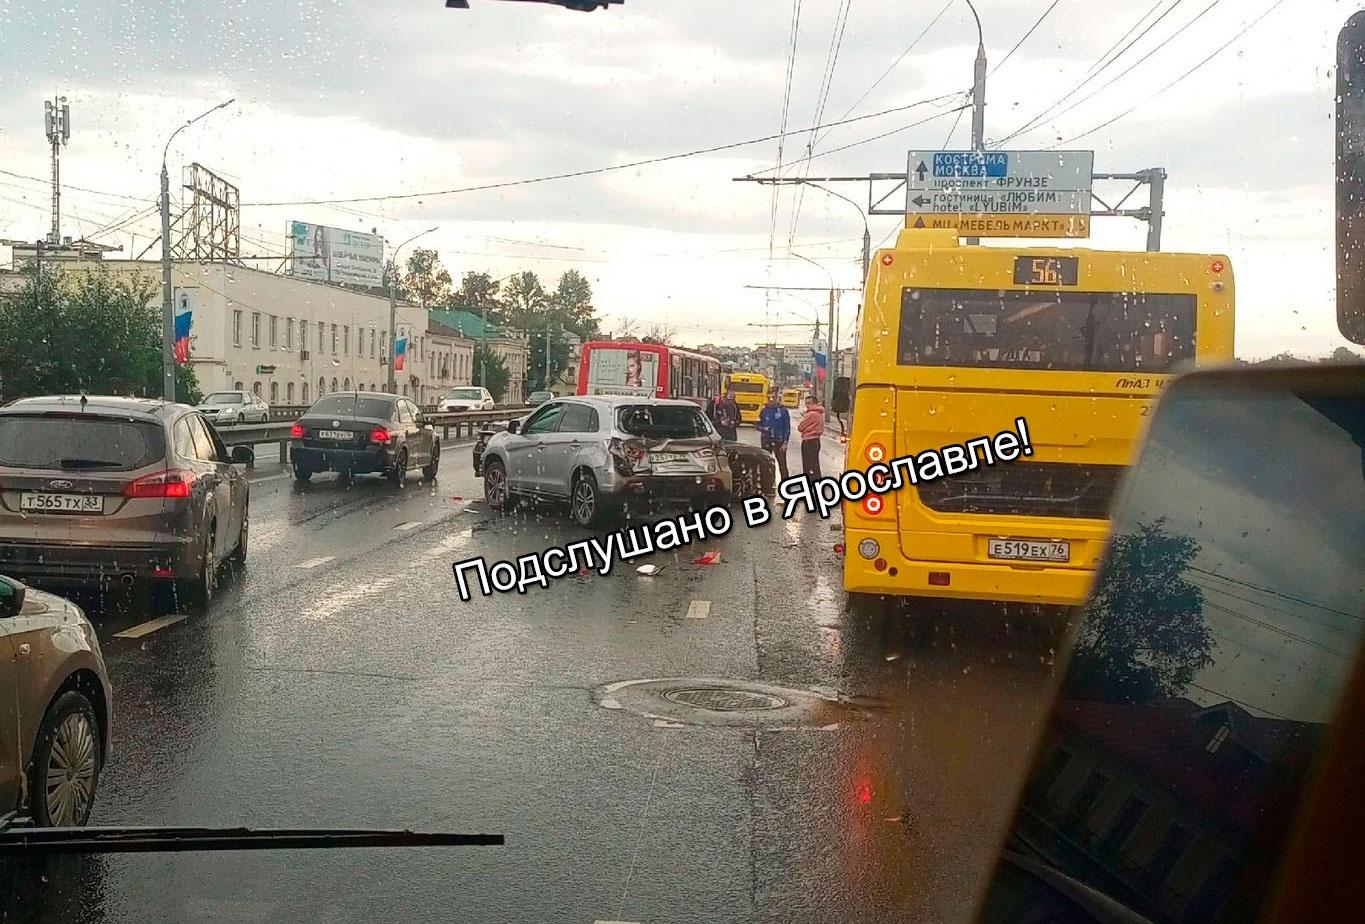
pixel 748 388
pixel 1077 331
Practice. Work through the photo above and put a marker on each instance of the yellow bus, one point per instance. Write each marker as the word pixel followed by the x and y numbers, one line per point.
pixel 751 393
pixel 957 341
pixel 791 397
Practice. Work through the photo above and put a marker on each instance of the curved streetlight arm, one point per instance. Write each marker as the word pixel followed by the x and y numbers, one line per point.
pixel 867 233
pixel 813 263
pixel 165 152
pixel 980 40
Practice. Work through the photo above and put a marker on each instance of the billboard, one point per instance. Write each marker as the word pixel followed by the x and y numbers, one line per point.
pixel 335 255
pixel 622 371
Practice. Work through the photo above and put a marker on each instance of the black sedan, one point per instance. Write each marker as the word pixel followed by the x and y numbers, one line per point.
pixel 364 432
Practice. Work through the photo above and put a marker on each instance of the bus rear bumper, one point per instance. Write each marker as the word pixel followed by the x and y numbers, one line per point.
pixel 957 580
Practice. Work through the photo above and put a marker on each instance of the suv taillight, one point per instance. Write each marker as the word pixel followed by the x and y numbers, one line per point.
pixel 380 435
pixel 628 456
pixel 170 483
pixel 296 432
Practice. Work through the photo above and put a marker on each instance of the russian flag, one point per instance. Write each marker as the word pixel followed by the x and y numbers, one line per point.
pixel 182 337
pixel 400 352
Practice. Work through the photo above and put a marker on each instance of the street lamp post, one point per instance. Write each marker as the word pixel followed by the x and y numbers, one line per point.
pixel 393 307
pixel 867 234
pixel 978 94
pixel 167 309
pixel 830 335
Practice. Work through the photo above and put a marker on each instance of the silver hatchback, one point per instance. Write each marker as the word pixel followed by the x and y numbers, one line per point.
pixel 608 454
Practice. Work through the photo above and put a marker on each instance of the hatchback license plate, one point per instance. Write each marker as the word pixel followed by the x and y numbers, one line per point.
pixel 1028 550
pixel 61 503
pixel 334 434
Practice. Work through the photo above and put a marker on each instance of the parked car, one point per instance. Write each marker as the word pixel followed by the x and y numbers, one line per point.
pixel 607 454
pixel 471 398
pixel 364 432
pixel 58 708
pixel 101 489
pixel 537 398
pixel 234 407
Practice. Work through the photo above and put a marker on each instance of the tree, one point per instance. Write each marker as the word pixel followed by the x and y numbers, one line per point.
pixel 1343 355
pixel 498 376
pixel 660 333
pixel 572 301
pixel 1144 634
pixel 427 282
pixel 525 302
pixel 477 292
pixel 92 331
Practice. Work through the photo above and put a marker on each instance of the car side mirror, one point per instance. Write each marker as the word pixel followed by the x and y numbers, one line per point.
pixel 840 401
pixel 514 426
pixel 11 597
pixel 242 455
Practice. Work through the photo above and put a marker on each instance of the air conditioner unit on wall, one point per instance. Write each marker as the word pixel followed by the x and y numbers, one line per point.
pixel 303 355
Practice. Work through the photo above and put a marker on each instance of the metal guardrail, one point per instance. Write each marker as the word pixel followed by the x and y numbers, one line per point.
pixel 278 431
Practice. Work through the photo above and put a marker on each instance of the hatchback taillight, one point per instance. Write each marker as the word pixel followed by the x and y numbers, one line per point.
pixel 380 435
pixel 170 483
pixel 296 432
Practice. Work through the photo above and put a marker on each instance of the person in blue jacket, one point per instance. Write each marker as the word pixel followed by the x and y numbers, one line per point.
pixel 775 430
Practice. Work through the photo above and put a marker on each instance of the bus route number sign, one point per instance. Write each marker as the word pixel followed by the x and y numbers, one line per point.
pixel 1046 271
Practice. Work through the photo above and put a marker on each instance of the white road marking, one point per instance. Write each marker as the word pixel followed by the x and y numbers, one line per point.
pixel 268 478
pixel 664 723
pixel 151 625
pixel 699 609
pixel 412 524
pixel 314 562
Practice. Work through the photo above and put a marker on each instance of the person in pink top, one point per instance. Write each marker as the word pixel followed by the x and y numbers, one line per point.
pixel 811 428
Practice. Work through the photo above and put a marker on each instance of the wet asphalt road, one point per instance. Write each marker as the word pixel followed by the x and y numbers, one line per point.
pixel 340 682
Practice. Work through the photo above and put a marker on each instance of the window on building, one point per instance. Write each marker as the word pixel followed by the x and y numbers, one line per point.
pixel 255 328
pixel 334 383
pixel 303 334
pixel 274 392
pixel 256 389
pixel 346 384
pixel 372 343
pixel 303 396
pixel 346 339
pixel 237 386
pixel 322 335
pixel 322 387
pixel 289 388
pixel 236 327
pixel 334 339
pixel 274 332
pixel 289 333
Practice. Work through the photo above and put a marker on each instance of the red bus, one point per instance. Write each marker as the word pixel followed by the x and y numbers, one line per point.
pixel 622 367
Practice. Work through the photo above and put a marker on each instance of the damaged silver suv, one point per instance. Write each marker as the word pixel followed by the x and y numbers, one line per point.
pixel 608 455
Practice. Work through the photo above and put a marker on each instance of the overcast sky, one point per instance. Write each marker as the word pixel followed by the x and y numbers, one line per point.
pixel 343 98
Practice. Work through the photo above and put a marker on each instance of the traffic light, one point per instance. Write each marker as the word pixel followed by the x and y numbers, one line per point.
pixel 1350 185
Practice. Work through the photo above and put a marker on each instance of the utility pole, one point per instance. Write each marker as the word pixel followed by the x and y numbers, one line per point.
pixel 978 94
pixel 57 123
pixel 393 307
pixel 545 386
pixel 167 308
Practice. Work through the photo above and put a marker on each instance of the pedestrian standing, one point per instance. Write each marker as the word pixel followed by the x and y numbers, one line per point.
pixel 811 428
pixel 727 416
pixel 775 430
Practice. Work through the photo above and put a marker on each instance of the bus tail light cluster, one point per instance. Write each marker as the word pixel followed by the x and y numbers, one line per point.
pixel 873 505
pixel 875 452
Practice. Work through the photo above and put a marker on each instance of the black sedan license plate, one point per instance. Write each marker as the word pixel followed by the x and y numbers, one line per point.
pixel 1028 550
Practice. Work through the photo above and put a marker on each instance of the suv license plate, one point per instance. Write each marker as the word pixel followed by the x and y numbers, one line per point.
pixel 61 503
pixel 1028 550
pixel 668 457
pixel 334 434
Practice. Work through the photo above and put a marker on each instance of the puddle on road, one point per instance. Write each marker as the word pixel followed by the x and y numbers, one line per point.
pixel 715 701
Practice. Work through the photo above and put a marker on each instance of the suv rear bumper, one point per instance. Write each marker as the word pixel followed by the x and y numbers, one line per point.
pixel 56 563
pixel 715 489
pixel 1004 583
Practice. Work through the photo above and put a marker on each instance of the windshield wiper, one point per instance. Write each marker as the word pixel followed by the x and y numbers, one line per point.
pixel 89 463
pixel 135 839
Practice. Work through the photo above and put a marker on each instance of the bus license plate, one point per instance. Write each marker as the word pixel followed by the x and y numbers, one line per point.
pixel 1028 550
pixel 61 503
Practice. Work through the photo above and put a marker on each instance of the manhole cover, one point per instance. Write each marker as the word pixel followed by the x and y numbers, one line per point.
pixel 719 701
pixel 725 700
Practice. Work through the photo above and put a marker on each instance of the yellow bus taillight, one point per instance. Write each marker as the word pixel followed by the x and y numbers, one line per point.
pixel 873 505
pixel 875 452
